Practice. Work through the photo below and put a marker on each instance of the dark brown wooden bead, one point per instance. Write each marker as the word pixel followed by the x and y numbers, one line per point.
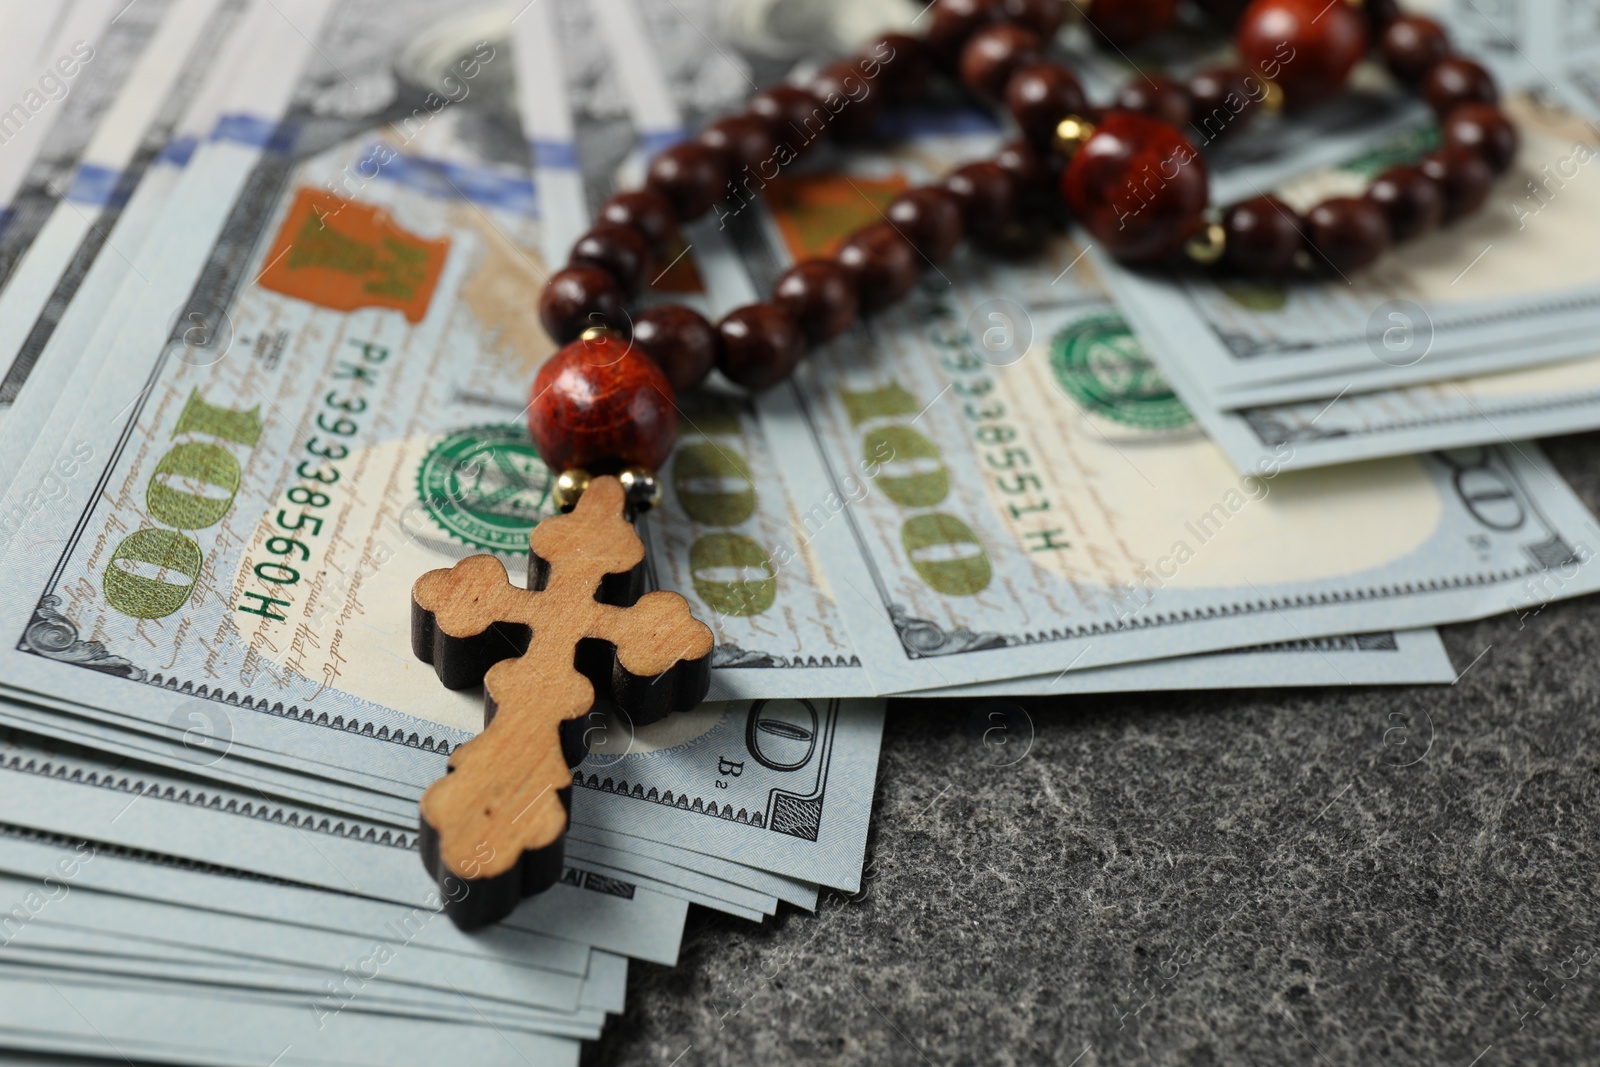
pixel 620 250
pixel 1029 175
pixel 1126 22
pixel 994 53
pixel 1035 176
pixel 1381 14
pixel 1463 176
pixel 1457 80
pixel 883 264
pixel 930 218
pixel 1158 96
pixel 1346 233
pixel 821 295
pixel 986 195
pixel 1411 46
pixel 795 115
pixel 578 297
pixel 953 22
pixel 690 175
pixel 760 345
pixel 1410 200
pixel 646 211
pixel 1040 95
pixel 1263 236
pixel 848 98
pixel 1224 13
pixel 680 340
pixel 747 140
pixel 904 63
pixel 1043 17
pixel 1485 129
pixel 1221 102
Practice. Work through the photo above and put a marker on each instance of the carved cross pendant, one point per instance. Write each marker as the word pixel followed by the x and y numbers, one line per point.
pixel 492 827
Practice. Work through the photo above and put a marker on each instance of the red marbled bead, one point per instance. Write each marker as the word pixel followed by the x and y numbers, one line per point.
pixel 1125 22
pixel 1138 186
pixel 1307 46
pixel 680 340
pixel 602 405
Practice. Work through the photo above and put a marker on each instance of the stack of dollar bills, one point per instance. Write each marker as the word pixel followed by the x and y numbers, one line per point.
pixel 268 289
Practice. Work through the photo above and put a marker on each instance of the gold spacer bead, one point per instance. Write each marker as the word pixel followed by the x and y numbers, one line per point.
pixel 641 488
pixel 596 333
pixel 1271 97
pixel 570 485
pixel 1207 246
pixel 1071 133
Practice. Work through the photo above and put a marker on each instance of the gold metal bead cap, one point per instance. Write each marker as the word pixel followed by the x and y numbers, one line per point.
pixel 570 485
pixel 1072 132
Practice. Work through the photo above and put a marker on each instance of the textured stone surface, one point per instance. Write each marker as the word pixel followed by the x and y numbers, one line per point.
pixel 1200 879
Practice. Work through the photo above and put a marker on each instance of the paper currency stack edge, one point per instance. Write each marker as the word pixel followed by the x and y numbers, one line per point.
pixel 268 272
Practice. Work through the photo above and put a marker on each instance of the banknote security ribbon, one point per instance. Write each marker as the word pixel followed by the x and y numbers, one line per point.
pixel 492 827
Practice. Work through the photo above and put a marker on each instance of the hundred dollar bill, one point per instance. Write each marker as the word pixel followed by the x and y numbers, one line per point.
pixel 60 342
pixel 784 785
pixel 1406 657
pixel 76 1012
pixel 1023 502
pixel 87 796
pixel 53 916
pixel 1510 286
pixel 778 630
pixel 75 196
pixel 378 286
pixel 1508 406
pixel 675 75
pixel 62 866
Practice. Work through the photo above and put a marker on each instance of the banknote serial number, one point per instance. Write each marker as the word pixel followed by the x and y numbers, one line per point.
pixel 318 473
pixel 1006 464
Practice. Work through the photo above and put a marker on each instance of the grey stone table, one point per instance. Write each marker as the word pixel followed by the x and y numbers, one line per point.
pixel 1206 878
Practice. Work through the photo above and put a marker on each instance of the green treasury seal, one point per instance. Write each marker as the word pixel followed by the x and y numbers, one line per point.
pixel 1101 365
pixel 486 486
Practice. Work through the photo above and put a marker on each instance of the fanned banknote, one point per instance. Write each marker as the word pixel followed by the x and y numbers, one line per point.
pixel 1511 286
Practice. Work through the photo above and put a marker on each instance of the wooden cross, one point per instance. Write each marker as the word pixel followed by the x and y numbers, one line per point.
pixel 495 821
